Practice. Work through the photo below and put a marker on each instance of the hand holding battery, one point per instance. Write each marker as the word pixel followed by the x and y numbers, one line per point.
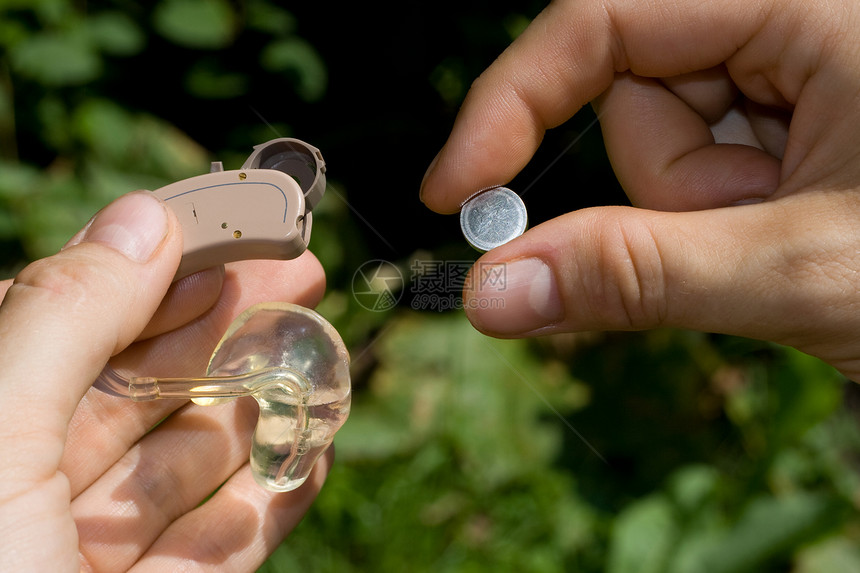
pixel 738 151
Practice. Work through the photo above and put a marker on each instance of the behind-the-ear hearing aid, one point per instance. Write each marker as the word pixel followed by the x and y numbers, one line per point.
pixel 261 211
pixel 289 358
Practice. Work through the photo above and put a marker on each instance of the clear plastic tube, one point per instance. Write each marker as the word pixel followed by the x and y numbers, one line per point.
pixel 145 388
pixel 110 382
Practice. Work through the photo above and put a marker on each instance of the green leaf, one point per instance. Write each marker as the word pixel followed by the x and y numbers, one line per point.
pixel 164 150
pixel 203 24
pixel 516 24
pixel 115 33
pixel 643 537
pixel 370 434
pixel 807 392
pixel 771 527
pixel 449 79
pixel 137 143
pixel 691 486
pixel 55 212
pixel 269 18
pixel 17 179
pixel 104 127
pixel 56 59
pixel 206 81
pixel 300 58
pixel 105 183
pixel 12 32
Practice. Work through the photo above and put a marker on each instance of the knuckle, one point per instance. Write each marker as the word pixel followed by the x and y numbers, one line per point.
pixel 632 292
pixel 67 280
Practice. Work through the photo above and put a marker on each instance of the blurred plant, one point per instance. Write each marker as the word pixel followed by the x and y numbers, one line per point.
pixel 762 502
pixel 456 459
pixel 446 461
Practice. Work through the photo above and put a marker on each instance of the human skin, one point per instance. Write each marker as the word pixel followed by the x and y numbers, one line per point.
pixel 93 482
pixel 732 126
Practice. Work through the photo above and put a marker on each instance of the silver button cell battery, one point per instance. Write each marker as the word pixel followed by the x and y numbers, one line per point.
pixel 492 218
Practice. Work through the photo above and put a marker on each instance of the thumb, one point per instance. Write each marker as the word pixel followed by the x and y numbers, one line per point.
pixel 64 316
pixel 785 271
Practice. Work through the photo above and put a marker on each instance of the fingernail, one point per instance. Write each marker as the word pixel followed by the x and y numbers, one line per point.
pixel 515 297
pixel 135 225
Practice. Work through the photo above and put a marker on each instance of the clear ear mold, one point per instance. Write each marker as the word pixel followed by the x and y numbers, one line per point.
pixel 293 363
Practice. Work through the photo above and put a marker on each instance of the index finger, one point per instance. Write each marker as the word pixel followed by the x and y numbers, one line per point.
pixel 567 57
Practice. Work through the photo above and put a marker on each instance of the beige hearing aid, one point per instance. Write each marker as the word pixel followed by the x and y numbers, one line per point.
pixel 261 211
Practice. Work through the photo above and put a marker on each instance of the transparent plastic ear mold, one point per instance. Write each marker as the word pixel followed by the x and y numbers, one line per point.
pixel 293 362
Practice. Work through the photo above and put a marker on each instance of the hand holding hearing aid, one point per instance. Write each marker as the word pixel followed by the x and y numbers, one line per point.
pixel 732 126
pixel 111 482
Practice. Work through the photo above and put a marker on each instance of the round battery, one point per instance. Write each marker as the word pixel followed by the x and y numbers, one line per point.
pixel 492 218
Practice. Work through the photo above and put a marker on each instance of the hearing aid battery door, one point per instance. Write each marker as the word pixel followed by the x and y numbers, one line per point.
pixel 236 215
pixel 302 161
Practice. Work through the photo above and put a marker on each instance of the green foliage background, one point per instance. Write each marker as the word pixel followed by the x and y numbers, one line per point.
pixel 665 451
